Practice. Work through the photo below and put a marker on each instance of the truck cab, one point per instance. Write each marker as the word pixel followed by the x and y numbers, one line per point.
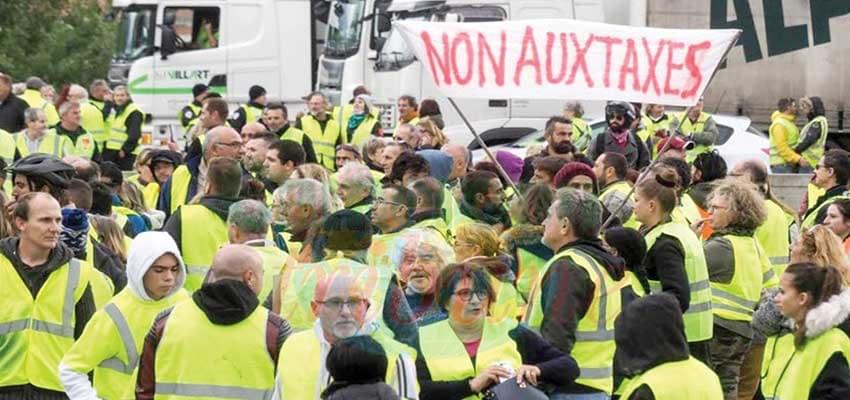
pixel 363 49
pixel 165 47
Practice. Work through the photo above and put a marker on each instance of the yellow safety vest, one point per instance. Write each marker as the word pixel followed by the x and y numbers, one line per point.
pixel 792 136
pixel 686 127
pixel 814 153
pixel 812 214
pixel 688 379
pixel 35 333
pixel 594 346
pixel 252 114
pixel 806 364
pixel 529 271
pixel 699 322
pixel 198 359
pixel 631 280
pixel 777 353
pixel 51 143
pixel 651 126
pixel 84 146
pixel 7 147
pixel 118 129
pixel 294 134
pixel 773 236
pixel 275 261
pixel 91 118
pixel 200 245
pixel 196 112
pixel 292 247
pixel 298 285
pixel 581 134
pixel 623 188
pixel 363 132
pixel 690 209
pixel 121 327
pixel 448 360
pixel 303 382
pixel 451 209
pixel 180 180
pixel 102 287
pixel 324 142
pixel 737 299
pixel 437 224
pixel 150 191
pixel 344 113
pixel 34 100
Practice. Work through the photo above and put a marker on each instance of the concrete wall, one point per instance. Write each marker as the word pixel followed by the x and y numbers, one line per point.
pixel 790 188
pixel 754 87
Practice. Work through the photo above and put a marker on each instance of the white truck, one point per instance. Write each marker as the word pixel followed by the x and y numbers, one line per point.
pixel 362 49
pixel 272 43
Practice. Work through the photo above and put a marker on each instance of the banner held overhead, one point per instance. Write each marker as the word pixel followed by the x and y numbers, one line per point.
pixel 557 59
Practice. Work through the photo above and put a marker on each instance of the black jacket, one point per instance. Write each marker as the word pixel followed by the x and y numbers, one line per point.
pixel 566 295
pixel 34 278
pixel 665 263
pixel 238 118
pixel 635 150
pixel 556 367
pixel 836 190
pixel 106 261
pixel 306 142
pixel 12 114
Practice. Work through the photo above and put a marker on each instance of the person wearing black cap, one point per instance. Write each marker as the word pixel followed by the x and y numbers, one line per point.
pixel 193 109
pixel 250 112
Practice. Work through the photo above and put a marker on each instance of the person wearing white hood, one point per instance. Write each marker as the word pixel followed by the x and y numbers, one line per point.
pixel 111 343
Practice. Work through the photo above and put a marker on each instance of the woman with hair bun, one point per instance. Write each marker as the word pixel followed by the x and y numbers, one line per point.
pixel 675 262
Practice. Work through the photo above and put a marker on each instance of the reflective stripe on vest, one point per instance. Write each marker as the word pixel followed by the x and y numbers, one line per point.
pixel 807 363
pixel 792 137
pixel 447 359
pixel 699 322
pixel 243 369
pixel 688 379
pixel 202 233
pixel 51 143
pixel 180 181
pixel 363 131
pixel 324 142
pixel 737 299
pixel 126 336
pixel 118 129
pixel 594 346
pixel 814 153
pixel 811 215
pixel 773 236
pixel 37 332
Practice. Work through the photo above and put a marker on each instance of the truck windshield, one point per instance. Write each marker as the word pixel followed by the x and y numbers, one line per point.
pixel 344 27
pixel 135 33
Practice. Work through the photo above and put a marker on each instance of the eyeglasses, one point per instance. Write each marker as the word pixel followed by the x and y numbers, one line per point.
pixel 466 294
pixel 380 201
pixel 337 304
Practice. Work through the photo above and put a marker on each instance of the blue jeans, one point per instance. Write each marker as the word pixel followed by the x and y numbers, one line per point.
pixel 583 396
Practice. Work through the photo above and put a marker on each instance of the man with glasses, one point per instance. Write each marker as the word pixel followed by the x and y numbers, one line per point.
pixel 619 137
pixel 191 177
pixel 391 211
pixel 340 305
pixel 831 174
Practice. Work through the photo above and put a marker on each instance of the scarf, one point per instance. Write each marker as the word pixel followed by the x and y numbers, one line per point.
pixel 488 218
pixel 356 120
pixel 620 138
pixel 75 229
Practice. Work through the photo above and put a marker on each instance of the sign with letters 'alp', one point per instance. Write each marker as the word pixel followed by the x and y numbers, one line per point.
pixel 559 59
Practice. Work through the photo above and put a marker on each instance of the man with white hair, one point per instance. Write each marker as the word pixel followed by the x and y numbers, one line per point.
pixel 302 204
pixel 190 178
pixel 460 162
pixel 91 117
pixel 355 186
pixel 78 142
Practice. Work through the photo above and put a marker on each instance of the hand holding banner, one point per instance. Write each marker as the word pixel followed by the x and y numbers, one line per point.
pixel 557 59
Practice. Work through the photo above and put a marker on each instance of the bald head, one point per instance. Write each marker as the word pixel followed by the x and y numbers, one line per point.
pixel 251 130
pixel 222 141
pixel 460 159
pixel 238 262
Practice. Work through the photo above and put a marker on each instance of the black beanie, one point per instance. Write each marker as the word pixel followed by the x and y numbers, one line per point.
pixel 199 89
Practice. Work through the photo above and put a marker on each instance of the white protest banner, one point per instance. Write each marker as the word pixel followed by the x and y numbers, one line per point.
pixel 559 59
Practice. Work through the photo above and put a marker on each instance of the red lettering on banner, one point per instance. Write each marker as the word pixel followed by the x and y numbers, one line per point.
pixel 528 43
pixel 630 66
pixel 652 61
pixel 498 68
pixel 671 48
pixel 550 42
pixel 693 68
pixel 462 38
pixel 434 59
pixel 609 44
pixel 580 61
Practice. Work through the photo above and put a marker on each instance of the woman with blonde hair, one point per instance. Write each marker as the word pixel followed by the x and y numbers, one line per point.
pixel 821 246
pixel 110 235
pixel 478 244
pixel 431 136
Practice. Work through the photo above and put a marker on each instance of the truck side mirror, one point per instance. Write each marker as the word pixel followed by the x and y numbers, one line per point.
pixel 383 22
pixel 168 44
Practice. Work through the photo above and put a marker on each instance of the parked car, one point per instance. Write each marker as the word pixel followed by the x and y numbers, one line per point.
pixel 738 139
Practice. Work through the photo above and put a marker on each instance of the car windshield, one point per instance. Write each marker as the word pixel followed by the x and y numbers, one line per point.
pixel 135 33
pixel 344 27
